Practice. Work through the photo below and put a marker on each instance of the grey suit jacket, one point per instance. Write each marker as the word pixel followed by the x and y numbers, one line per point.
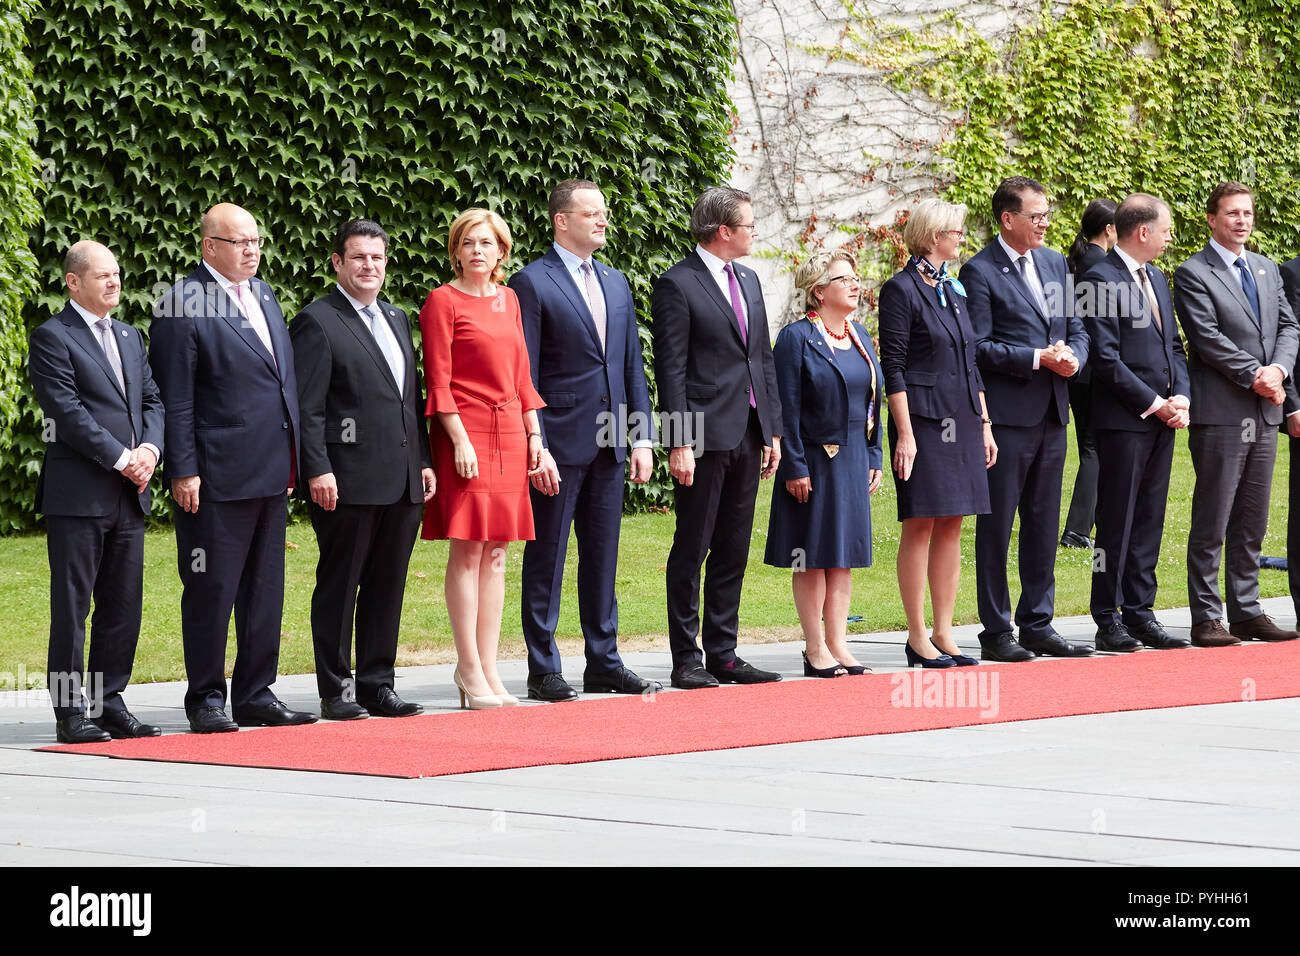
pixel 1225 346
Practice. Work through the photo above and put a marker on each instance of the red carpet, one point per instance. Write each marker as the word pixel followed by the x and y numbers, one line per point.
pixel 683 722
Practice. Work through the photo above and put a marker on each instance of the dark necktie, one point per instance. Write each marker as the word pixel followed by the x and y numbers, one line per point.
pixel 1248 285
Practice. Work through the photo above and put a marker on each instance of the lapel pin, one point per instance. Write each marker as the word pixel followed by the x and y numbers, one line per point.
pixel 1261 271
pixel 1005 269
pixel 124 333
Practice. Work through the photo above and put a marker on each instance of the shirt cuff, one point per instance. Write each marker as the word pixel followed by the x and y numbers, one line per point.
pixel 157 454
pixel 1038 354
pixel 123 459
pixel 1294 414
pixel 1281 368
pixel 643 444
pixel 1155 407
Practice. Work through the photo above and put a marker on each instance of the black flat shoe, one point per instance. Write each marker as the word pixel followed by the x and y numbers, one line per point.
pixel 692 677
pixel 1152 635
pixel 1054 645
pixel 916 660
pixel 388 704
pixel 552 688
pixel 274 714
pixel 122 725
pixel 79 729
pixel 737 671
pixel 619 681
pixel 211 720
pixel 1116 639
pixel 336 708
pixel 838 670
pixel 1003 649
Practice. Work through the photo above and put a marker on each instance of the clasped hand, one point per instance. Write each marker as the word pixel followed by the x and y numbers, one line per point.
pixel 139 468
pixel 1268 383
pixel 1060 358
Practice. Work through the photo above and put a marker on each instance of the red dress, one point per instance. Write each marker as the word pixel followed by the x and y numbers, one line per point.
pixel 476 364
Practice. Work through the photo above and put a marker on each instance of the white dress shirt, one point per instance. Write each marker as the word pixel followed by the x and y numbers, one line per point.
pixel 1031 276
pixel 1134 268
pixel 384 334
pixel 716 269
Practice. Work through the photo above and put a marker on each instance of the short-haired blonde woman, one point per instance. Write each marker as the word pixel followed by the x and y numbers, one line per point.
pixel 830 383
pixel 485 440
pixel 939 427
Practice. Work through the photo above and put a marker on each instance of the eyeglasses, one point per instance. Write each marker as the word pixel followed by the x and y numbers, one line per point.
pixel 958 233
pixel 847 281
pixel 591 214
pixel 242 244
pixel 1037 218
pixel 751 226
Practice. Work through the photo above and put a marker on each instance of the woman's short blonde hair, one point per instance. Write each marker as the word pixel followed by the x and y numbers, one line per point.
pixel 814 272
pixel 930 218
pixel 468 220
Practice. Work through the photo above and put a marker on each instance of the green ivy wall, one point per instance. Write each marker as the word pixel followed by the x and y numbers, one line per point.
pixel 149 111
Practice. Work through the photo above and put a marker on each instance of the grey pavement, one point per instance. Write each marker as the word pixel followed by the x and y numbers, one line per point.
pixel 1205 785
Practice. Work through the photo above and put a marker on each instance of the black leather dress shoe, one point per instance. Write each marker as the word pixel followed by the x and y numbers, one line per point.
pixel 121 725
pixel 692 677
pixel 1116 639
pixel 274 714
pixel 79 729
pixel 211 720
pixel 1070 539
pixel 737 671
pixel 1003 649
pixel 552 688
pixel 620 681
pixel 1054 645
pixel 336 708
pixel 1156 637
pixel 388 704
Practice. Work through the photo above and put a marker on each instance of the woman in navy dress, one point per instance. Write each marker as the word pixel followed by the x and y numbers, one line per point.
pixel 939 429
pixel 831 459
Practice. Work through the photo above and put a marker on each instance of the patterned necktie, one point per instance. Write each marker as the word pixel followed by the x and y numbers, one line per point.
pixel 372 319
pixel 1144 280
pixel 734 287
pixel 595 300
pixel 105 326
pixel 1031 280
pixel 1248 285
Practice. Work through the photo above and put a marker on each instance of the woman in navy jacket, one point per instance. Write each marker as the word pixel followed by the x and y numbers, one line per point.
pixel 941 447
pixel 831 387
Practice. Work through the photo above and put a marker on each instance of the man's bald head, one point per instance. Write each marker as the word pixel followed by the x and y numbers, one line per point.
pixel 225 230
pixel 90 271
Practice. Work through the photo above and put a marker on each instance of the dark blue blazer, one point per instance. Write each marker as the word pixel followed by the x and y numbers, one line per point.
pixel 1133 361
pixel 1008 327
pixel 592 399
pixel 927 350
pixel 232 415
pixel 815 397
pixel 88 419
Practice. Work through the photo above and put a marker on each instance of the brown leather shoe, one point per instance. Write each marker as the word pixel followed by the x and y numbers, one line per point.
pixel 1261 628
pixel 1212 634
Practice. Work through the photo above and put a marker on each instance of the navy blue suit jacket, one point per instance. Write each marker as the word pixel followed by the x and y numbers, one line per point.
pixel 1133 361
pixel 592 399
pixel 232 413
pixel 89 421
pixel 927 352
pixel 1008 327
pixel 815 397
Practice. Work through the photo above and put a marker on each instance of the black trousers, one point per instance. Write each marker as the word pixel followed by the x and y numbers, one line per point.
pixel 1293 527
pixel 715 517
pixel 231 558
pixel 1083 499
pixel 103 558
pixel 1130 523
pixel 365 551
pixel 590 501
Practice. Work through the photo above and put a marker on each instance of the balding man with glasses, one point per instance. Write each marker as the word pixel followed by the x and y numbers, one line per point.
pixel 224 364
pixel 1029 343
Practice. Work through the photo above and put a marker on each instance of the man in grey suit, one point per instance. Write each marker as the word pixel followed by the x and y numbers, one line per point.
pixel 1242 341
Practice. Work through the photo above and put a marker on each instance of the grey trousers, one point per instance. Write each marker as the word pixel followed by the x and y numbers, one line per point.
pixel 1234 474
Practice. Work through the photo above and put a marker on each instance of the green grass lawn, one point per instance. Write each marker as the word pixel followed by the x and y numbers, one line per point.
pixel 766 612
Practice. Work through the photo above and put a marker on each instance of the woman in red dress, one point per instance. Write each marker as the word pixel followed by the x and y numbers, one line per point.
pixel 486 442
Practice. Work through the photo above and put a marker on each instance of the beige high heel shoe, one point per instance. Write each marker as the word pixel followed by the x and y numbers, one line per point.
pixel 469 701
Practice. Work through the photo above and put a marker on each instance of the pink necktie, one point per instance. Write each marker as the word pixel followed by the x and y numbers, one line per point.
pixel 734 287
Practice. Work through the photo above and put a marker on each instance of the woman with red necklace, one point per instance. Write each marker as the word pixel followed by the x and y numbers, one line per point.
pixel 830 382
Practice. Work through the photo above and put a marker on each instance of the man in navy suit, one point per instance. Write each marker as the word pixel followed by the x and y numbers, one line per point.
pixel 103 432
pixel 722 422
pixel 365 457
pixel 1029 344
pixel 585 355
pixel 224 363
pixel 1139 399
pixel 1290 272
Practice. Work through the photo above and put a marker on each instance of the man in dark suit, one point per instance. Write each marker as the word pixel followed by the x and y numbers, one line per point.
pixel 224 363
pixel 585 354
pixel 1139 399
pixel 1242 342
pixel 1291 284
pixel 1029 343
pixel 365 455
pixel 721 418
pixel 103 432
